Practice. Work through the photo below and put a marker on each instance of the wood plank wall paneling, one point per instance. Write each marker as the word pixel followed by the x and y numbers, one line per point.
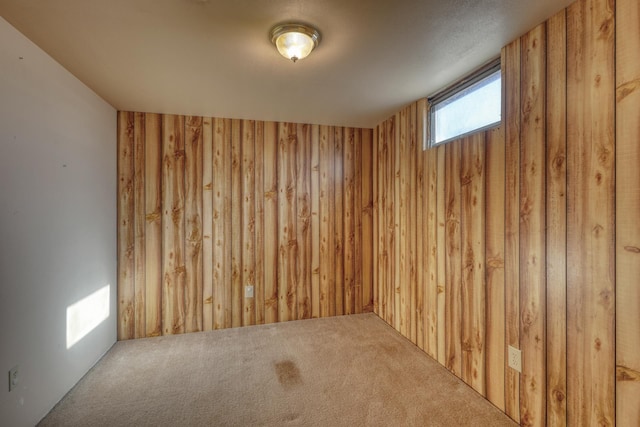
pixel 556 220
pixel 472 182
pixel 511 88
pixel 422 264
pixel 315 221
pixel 153 226
pixel 494 255
pixel 259 231
pixel 590 213
pixel 221 220
pixel 139 227
pixel 248 221
pixel 193 223
pixel 236 223
pixel 327 218
pixel 532 226
pixel 411 221
pixel 126 216
pixel 173 262
pixel 208 206
pixel 453 267
pixel 441 255
pixel 207 226
pixel 303 230
pixel 270 250
pixel 338 225
pixel 547 261
pixel 366 181
pixel 627 208
pixel 524 235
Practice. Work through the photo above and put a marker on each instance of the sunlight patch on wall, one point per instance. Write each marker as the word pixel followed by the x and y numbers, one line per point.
pixel 86 314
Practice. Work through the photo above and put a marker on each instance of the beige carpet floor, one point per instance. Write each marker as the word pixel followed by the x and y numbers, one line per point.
pixel 341 371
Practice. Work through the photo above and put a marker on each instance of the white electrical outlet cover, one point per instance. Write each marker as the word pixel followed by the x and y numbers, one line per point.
pixel 13 378
pixel 248 291
pixel 515 359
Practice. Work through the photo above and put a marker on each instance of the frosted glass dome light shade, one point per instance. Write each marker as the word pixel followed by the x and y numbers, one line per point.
pixel 295 41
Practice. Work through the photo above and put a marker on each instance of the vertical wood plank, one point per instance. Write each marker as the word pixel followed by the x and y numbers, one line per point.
pixel 288 245
pixel 153 229
pixel 382 221
pixel 327 277
pixel 441 221
pixel 315 221
pixel 367 240
pixel 173 263
pixel 375 258
pixel 495 285
pixel 271 225
pixel 338 225
pixel 422 241
pixel 434 293
pixel 627 208
pixel 248 221
pixel 348 221
pixel 453 269
pixel 364 221
pixel 511 84
pixel 303 226
pixel 207 224
pixel 556 221
pixel 423 238
pixel 236 223
pixel 532 227
pixel 393 303
pixel 259 291
pixel 403 283
pixel 397 259
pixel 193 223
pixel 591 212
pixel 227 215
pixel 126 226
pixel 221 218
pixel 412 230
pixel 473 260
pixel 358 215
pixel 139 226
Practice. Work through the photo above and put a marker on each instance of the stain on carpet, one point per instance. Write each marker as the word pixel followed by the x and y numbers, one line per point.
pixel 288 373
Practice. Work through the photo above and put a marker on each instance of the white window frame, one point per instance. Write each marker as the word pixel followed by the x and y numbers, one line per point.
pixel 446 94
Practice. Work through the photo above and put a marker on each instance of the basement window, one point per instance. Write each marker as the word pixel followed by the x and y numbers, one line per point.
pixel 473 104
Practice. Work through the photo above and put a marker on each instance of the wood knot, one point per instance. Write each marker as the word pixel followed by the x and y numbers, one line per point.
pixel 598 344
pixel 605 298
pixel 597 230
pixel 597 80
pixel 627 89
pixel 558 395
pixel 558 162
pixel 624 373
pixel 599 178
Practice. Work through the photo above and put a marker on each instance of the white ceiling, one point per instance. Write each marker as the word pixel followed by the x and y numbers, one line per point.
pixel 214 57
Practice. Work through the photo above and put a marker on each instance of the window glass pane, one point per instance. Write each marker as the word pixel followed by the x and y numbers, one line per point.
pixel 475 107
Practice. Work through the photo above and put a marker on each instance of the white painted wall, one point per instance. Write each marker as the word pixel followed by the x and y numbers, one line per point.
pixel 57 224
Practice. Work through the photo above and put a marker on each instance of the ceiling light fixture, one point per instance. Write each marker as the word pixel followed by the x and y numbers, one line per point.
pixel 295 41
